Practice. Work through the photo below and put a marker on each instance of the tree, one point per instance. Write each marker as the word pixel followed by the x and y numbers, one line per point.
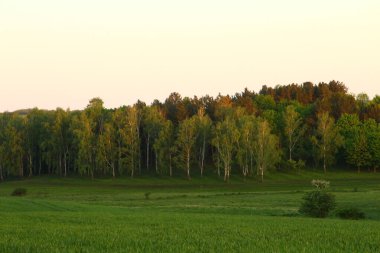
pixel 204 124
pixel 372 131
pixel 349 127
pixel 327 139
pixel 175 109
pixel 107 146
pixel 359 156
pixel 355 143
pixel 165 147
pixel 362 101
pixel 152 123
pixel 265 150
pixel 85 136
pixel 127 131
pixel 36 131
pixel 132 139
pixel 293 128
pixel 185 142
pixel 59 132
pixel 93 129
pixel 226 138
pixel 119 120
pixel 14 144
pixel 247 128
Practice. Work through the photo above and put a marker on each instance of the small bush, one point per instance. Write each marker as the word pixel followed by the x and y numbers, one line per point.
pixel 147 195
pixel 351 213
pixel 320 184
pixel 317 204
pixel 291 165
pixel 19 192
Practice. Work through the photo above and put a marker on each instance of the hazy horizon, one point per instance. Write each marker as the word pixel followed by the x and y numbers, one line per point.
pixel 63 53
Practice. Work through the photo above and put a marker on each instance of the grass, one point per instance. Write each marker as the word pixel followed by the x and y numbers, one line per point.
pixel 203 215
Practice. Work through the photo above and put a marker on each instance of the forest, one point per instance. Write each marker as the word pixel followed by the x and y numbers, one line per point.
pixel 291 127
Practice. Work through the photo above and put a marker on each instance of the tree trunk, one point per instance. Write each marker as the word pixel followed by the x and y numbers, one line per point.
pixel 225 174
pixel 65 163
pixel 1 173
pixel 203 155
pixel 324 159
pixel 40 166
pixel 139 146
pixel 21 169
pixel 218 162
pixel 147 153
pixel 290 153
pixel 30 165
pixel 119 156
pixel 133 158
pixel 60 164
pixel 188 165
pixel 170 165
pixel 156 164
pixel 262 174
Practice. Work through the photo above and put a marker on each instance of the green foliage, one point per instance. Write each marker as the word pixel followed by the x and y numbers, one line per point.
pixel 265 149
pixel 204 125
pixel 186 139
pixel 293 129
pixel 317 204
pixel 165 148
pixel 226 137
pixel 327 139
pixel 351 213
pixel 291 165
pixel 247 128
pixel 224 132
pixel 372 131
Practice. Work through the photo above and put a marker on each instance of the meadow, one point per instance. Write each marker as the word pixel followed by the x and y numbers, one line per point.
pixel 176 215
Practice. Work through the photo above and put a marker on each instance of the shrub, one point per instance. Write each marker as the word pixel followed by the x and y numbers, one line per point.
pixel 291 165
pixel 320 184
pixel 147 195
pixel 317 204
pixel 351 213
pixel 19 192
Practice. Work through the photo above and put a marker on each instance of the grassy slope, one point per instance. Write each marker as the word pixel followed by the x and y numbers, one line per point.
pixel 202 215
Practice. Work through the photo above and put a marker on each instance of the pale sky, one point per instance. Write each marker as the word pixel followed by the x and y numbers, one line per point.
pixel 63 53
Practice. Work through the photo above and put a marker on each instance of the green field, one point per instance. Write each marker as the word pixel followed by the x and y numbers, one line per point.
pixel 176 215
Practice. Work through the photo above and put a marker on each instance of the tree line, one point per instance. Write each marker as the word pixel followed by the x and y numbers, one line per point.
pixel 287 127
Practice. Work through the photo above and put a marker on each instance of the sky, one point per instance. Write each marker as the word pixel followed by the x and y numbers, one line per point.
pixel 63 53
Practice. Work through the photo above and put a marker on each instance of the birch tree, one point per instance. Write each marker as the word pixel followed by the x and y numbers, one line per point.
pixel 247 129
pixel 327 139
pixel 165 147
pixel 132 139
pixel 265 150
pixel 204 124
pixel 293 128
pixel 152 122
pixel 185 142
pixel 225 140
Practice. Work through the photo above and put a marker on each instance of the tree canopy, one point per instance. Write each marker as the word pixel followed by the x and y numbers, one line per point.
pixel 248 133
